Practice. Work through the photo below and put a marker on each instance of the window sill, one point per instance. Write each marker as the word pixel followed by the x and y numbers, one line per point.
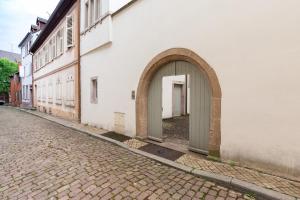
pixel 49 62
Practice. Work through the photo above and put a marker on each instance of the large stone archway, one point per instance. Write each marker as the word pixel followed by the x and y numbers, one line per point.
pixel 187 55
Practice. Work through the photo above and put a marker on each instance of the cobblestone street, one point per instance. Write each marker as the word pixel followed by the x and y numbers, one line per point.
pixel 42 160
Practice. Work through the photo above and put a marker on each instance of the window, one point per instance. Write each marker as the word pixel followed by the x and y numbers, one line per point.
pixel 58 91
pixel 44 93
pixel 59 42
pixel 50 50
pixel 46 52
pixel 70 31
pixel 94 90
pixel 43 57
pixel 50 92
pixel 97 9
pixel 86 12
pixel 40 60
pixel 34 62
pixel 53 48
pixel 39 92
pixel 92 11
pixel 70 90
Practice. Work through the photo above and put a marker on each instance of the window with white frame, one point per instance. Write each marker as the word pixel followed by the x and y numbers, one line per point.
pixel 43 57
pixel 94 90
pixel 59 42
pixel 34 62
pixel 53 48
pixel 70 22
pixel 50 91
pixel 92 12
pixel 44 93
pixel 50 50
pixel 39 92
pixel 58 90
pixel 46 54
pixel 97 9
pixel 40 60
pixel 70 90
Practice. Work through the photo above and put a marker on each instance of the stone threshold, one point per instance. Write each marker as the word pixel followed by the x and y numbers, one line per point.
pixel 188 163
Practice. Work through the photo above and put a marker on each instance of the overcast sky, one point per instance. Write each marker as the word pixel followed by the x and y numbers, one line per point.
pixel 16 17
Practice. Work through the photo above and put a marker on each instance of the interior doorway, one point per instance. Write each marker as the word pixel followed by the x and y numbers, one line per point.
pixel 175 109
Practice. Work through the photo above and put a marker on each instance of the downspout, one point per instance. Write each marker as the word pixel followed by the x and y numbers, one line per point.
pixel 32 82
pixel 78 60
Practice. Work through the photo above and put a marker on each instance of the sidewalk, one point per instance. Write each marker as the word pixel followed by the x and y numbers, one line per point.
pixel 261 184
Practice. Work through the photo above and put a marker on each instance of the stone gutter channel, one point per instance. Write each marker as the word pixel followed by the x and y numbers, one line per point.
pixel 260 192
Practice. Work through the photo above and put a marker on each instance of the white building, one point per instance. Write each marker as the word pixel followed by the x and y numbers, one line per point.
pixel 243 59
pixel 55 63
pixel 26 68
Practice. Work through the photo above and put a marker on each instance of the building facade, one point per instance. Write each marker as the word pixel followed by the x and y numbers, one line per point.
pixel 55 63
pixel 26 68
pixel 243 59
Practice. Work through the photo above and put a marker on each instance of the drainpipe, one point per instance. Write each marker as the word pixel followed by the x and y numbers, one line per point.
pixel 32 93
pixel 78 60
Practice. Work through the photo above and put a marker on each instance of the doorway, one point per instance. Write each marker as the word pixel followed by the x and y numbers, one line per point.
pixel 185 119
pixel 175 114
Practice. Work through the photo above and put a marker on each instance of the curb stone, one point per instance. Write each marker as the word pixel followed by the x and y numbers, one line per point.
pixel 262 193
pixel 214 177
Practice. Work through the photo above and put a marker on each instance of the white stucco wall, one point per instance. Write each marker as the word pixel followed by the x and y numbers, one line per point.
pixel 252 45
pixel 26 70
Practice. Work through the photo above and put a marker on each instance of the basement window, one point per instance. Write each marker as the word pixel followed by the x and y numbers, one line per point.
pixel 94 90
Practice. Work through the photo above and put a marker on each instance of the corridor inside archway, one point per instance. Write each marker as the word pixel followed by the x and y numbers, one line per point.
pixel 175 110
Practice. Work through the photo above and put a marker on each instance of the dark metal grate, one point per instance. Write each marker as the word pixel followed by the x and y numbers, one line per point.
pixel 163 152
pixel 116 136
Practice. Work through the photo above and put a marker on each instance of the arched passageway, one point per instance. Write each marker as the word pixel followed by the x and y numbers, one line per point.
pixel 154 67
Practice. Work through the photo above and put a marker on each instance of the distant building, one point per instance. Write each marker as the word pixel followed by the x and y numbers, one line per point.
pixel 15 94
pixel 55 63
pixel 26 68
pixel 14 57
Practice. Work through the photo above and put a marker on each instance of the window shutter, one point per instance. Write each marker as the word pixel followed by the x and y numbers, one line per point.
pixel 69 31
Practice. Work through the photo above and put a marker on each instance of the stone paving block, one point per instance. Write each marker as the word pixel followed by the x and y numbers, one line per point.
pixel 59 162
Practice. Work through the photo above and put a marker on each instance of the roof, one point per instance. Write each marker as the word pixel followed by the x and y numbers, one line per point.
pixel 15 57
pixel 32 27
pixel 24 39
pixel 58 14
